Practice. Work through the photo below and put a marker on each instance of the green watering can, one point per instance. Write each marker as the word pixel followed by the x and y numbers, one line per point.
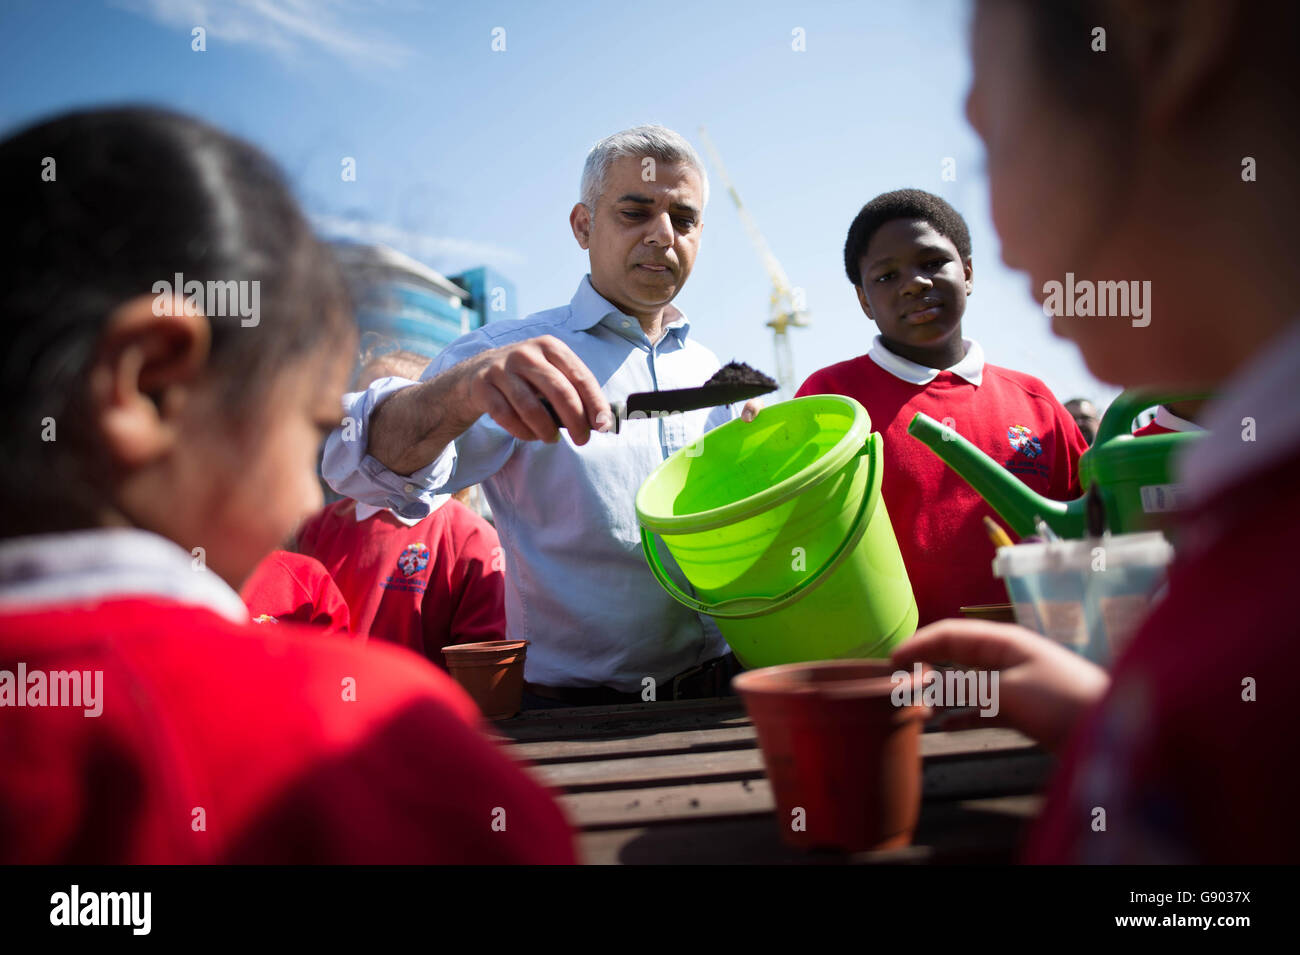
pixel 1133 475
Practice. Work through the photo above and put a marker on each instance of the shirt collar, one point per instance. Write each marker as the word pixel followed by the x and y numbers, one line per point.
pixel 971 367
pixel 102 563
pixel 588 308
pixel 367 511
pixel 1167 419
pixel 1254 423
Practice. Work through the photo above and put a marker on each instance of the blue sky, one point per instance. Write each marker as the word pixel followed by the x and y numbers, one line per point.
pixel 466 155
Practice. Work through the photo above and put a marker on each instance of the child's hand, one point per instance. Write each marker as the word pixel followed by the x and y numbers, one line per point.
pixel 1043 688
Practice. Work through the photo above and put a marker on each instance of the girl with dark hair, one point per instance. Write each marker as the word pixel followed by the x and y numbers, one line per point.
pixel 174 343
pixel 1155 141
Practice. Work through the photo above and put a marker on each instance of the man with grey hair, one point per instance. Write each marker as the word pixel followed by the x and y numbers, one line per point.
pixel 577 585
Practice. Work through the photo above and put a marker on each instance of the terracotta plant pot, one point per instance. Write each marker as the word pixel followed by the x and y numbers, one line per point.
pixel 1001 613
pixel 836 747
pixel 492 673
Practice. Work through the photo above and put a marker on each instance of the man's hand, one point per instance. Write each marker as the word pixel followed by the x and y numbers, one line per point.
pixel 752 407
pixel 1043 688
pixel 506 383
pixel 411 428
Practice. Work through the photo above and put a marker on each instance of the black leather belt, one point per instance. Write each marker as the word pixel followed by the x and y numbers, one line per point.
pixel 709 679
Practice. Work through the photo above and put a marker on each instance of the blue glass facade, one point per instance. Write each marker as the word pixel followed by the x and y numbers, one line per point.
pixel 491 294
pixel 416 307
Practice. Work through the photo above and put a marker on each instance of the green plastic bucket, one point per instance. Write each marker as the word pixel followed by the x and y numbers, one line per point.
pixel 779 525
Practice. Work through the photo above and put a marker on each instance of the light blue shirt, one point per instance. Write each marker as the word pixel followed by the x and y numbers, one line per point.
pixel 577 584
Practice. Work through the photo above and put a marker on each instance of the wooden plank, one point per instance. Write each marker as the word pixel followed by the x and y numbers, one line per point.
pixel 678 741
pixel 597 807
pixel 654 770
pixel 741 759
pixel 753 841
pixel 964 777
pixel 984 831
pixel 730 737
pixel 596 721
pixel 629 807
pixel 971 742
pixel 978 830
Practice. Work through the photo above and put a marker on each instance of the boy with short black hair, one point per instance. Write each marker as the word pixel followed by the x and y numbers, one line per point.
pixel 908 255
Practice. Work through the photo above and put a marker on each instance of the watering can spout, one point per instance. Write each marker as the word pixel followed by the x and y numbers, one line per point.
pixel 1005 493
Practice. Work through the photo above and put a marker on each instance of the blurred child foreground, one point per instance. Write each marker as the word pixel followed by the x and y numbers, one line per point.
pixel 1126 166
pixel 185 452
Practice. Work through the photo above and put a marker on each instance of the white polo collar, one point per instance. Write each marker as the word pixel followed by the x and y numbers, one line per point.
pixel 1254 423
pixel 971 367
pixel 367 511
pixel 106 563
pixel 1167 419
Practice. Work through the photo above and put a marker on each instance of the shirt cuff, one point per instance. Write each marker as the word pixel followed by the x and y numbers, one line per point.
pixel 353 473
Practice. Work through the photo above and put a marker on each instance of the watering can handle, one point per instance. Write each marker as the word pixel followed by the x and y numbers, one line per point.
pixel 1118 418
pixel 739 607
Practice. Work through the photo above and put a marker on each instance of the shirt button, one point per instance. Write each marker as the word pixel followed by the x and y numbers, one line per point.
pixel 408 487
pixel 627 324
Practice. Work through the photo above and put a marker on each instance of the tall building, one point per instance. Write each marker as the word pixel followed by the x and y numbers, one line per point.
pixel 403 304
pixel 491 294
pixel 419 309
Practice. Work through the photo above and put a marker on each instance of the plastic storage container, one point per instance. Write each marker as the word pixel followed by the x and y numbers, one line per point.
pixel 1088 595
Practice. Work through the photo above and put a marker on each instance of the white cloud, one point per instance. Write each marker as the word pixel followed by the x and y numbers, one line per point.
pixel 462 252
pixel 286 27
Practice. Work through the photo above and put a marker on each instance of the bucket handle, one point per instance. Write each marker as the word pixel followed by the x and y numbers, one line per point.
pixel 740 607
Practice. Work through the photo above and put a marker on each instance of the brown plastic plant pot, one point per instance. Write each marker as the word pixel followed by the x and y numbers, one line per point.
pixel 844 762
pixel 492 673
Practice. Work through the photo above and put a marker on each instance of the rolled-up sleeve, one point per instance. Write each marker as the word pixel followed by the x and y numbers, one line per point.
pixel 352 472
pixel 472 458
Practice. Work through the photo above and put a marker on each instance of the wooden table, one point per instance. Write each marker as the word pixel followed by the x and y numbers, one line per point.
pixel 684 783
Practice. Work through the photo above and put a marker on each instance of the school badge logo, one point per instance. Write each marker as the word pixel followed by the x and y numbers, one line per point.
pixel 1023 440
pixel 414 559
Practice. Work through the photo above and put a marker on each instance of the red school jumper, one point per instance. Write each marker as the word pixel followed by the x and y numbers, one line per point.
pixel 937 516
pixel 293 588
pixel 424 585
pixel 234 743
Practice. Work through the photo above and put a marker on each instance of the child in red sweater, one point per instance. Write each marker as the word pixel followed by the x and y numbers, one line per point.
pixel 158 725
pixel 288 587
pixel 422 583
pixel 1112 167
pixel 908 256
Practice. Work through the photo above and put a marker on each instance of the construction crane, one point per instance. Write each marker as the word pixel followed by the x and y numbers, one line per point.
pixel 788 309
